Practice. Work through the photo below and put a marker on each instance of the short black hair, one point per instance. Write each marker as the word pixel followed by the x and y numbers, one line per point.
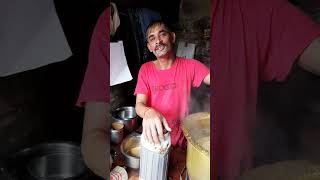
pixel 157 23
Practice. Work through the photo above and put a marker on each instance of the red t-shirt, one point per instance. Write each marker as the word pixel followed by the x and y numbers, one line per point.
pixel 168 91
pixel 95 85
pixel 252 41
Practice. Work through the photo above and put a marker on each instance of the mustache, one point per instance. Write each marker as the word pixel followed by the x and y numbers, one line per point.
pixel 159 45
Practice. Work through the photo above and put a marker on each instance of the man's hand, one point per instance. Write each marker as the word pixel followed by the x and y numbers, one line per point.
pixel 153 123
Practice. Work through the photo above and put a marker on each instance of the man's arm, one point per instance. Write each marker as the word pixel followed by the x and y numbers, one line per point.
pixel 95 145
pixel 310 58
pixel 153 121
pixel 206 80
pixel 141 107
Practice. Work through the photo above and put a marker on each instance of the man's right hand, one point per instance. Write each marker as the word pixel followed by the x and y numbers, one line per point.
pixel 153 123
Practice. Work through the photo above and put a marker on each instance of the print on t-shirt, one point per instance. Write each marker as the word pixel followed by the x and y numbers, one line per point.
pixel 164 87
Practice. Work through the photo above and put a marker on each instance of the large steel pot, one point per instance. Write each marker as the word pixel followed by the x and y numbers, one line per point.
pixel 51 161
pixel 57 161
pixel 196 128
pixel 128 116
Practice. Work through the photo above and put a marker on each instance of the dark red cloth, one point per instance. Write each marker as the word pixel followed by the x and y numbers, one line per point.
pixel 95 86
pixel 252 41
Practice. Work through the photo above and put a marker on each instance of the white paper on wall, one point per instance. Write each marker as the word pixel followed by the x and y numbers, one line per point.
pixel 185 50
pixel 119 70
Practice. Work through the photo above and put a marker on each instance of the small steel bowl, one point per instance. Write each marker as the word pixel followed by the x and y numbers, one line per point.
pixel 128 116
pixel 130 148
pixel 117 132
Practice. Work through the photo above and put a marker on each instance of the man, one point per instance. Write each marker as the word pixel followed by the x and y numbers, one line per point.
pixel 94 96
pixel 252 41
pixel 164 85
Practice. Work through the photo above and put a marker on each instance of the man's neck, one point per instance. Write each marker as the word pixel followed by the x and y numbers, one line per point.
pixel 165 62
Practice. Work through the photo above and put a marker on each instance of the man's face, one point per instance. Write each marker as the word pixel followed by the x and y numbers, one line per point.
pixel 160 40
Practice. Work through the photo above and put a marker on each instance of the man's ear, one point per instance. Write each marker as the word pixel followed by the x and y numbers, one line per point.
pixel 173 36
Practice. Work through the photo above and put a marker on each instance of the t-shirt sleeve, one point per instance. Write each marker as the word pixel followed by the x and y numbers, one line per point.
pixel 142 86
pixel 95 86
pixel 290 32
pixel 200 71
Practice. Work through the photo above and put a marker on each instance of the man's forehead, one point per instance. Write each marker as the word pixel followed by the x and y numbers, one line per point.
pixel 155 28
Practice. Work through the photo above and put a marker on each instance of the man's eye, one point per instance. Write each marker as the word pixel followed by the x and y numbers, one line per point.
pixel 151 39
pixel 163 33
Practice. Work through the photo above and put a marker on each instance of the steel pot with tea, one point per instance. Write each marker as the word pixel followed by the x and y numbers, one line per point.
pixel 196 129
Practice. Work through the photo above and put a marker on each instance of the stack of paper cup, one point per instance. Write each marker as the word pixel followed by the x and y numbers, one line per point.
pixel 154 159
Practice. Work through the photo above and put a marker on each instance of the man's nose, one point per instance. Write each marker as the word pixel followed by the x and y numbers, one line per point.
pixel 158 40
